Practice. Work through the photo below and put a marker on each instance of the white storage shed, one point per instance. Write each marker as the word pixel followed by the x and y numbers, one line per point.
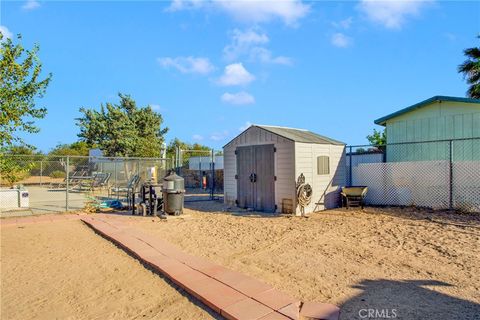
pixel 263 163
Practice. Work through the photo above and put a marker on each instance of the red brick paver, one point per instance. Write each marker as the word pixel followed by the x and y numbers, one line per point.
pixel 275 316
pixel 318 310
pixel 246 309
pixel 292 310
pixel 274 299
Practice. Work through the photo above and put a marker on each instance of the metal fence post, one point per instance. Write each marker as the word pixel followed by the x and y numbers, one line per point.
pixel 115 170
pixel 450 175
pixel 176 160
pixel 213 175
pixel 67 168
pixel 41 172
pixel 180 160
pixel 200 175
pixel 350 168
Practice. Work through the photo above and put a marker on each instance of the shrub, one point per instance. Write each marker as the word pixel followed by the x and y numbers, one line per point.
pixel 13 170
pixel 57 174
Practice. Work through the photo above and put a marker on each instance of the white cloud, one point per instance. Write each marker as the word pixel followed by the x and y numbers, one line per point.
pixel 242 42
pixel 245 126
pixel 252 11
pixel 392 13
pixel 450 36
pixel 343 24
pixel 31 5
pixel 197 137
pixel 218 136
pixel 239 98
pixel 249 43
pixel 340 40
pixel 5 32
pixel 235 74
pixel 265 56
pixel 157 107
pixel 188 64
pixel 178 5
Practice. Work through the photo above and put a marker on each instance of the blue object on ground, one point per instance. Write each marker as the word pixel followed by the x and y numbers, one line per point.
pixel 115 204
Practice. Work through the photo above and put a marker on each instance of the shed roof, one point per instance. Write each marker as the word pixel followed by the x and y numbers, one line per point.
pixel 382 121
pixel 297 135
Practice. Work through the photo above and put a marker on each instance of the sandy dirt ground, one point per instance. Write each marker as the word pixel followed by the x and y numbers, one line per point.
pixel 403 263
pixel 64 270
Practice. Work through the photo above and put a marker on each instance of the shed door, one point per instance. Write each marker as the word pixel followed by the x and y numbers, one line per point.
pixel 245 160
pixel 264 186
pixel 256 177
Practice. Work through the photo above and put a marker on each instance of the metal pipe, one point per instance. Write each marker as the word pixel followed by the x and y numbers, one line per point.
pixel 350 169
pixel 116 185
pixel 41 172
pixel 67 184
pixel 450 173
pixel 213 175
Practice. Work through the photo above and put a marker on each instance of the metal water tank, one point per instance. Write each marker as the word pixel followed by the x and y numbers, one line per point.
pixel 173 190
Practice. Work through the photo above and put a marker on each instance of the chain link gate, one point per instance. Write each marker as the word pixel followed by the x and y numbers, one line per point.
pixel 203 180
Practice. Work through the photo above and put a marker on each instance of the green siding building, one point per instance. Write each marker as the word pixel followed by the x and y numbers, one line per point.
pixel 435 120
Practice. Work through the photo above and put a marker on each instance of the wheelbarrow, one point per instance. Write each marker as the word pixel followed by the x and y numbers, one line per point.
pixel 354 196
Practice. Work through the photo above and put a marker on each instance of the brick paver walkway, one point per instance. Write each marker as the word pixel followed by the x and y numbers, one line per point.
pixel 229 293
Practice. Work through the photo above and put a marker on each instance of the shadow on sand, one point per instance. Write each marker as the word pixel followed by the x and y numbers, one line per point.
pixel 445 217
pixel 406 300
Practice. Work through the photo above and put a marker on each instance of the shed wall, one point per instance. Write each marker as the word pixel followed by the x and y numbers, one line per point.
pixel 326 188
pixel 284 164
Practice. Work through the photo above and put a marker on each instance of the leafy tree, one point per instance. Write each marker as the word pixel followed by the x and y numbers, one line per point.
pixel 79 148
pixel 200 147
pixel 471 70
pixel 177 143
pixel 123 129
pixel 22 150
pixel 14 167
pixel 377 138
pixel 173 145
pixel 20 85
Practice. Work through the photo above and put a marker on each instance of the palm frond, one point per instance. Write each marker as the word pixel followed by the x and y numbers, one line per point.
pixel 473 53
pixel 474 91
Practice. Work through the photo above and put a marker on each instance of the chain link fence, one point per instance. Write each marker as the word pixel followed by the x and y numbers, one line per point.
pixel 203 173
pixel 434 174
pixel 45 184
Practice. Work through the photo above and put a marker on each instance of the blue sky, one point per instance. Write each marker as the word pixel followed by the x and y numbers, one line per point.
pixel 213 67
